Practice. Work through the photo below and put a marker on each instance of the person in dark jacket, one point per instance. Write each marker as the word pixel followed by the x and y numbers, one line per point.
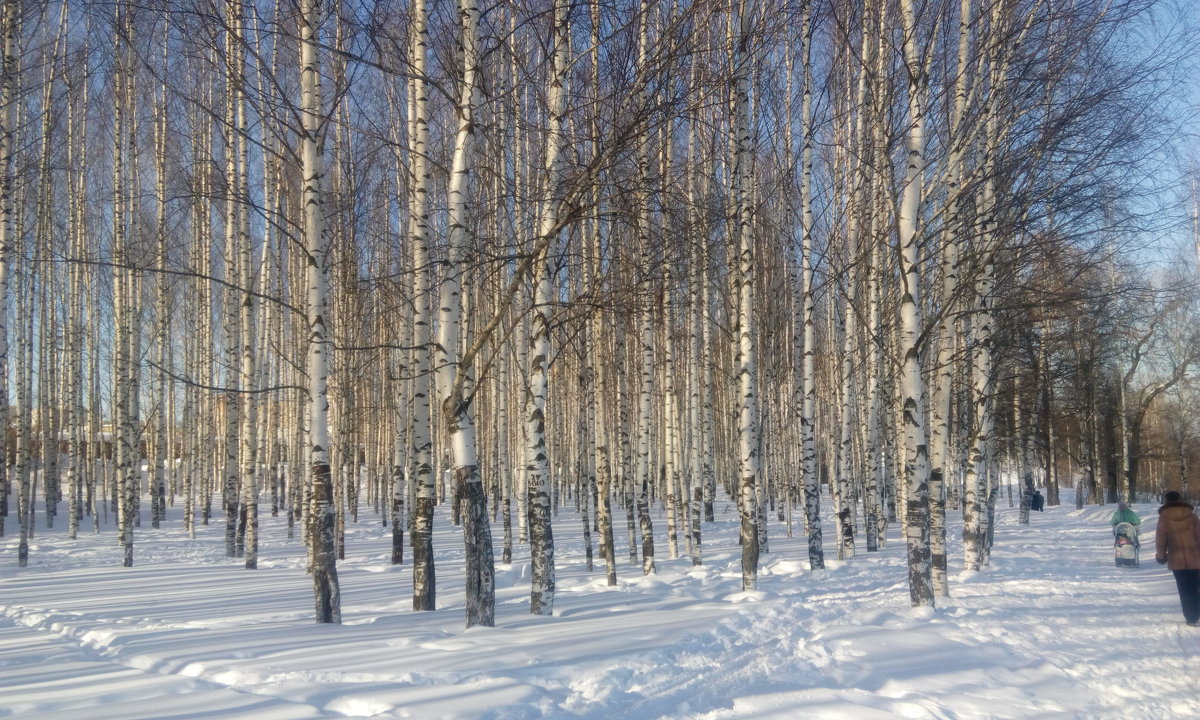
pixel 1177 545
pixel 1037 502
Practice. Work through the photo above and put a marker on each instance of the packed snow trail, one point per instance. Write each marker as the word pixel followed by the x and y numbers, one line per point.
pixel 1051 629
pixel 46 676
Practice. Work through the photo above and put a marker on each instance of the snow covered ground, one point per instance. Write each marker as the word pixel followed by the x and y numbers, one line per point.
pixel 1052 629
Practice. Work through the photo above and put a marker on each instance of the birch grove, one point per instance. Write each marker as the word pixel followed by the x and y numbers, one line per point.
pixel 852 270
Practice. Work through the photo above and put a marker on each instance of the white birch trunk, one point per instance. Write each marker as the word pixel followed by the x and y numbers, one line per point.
pixel 536 461
pixel 670 426
pixel 698 469
pixel 1047 419
pixel 248 312
pixel 916 458
pixel 424 479
pixel 8 118
pixel 48 380
pixel 644 477
pixel 161 460
pixel 1124 431
pixel 23 465
pixel 874 519
pixel 745 368
pixel 1021 456
pixel 323 553
pixel 625 465
pixel 808 371
pixel 856 213
pixel 399 371
pixel 76 162
pixel 503 448
pixel 975 492
pixel 231 336
pixel 250 380
pixel 978 508
pixel 119 347
pixel 601 384
pixel 124 292
pixel 849 417
pixel 944 369
pixel 453 370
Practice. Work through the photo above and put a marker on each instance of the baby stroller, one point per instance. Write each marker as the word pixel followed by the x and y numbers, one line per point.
pixel 1125 543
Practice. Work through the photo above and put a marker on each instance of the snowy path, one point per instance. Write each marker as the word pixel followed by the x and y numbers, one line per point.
pixel 1050 630
pixel 44 675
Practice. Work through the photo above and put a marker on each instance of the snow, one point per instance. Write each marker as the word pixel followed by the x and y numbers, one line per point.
pixel 1051 629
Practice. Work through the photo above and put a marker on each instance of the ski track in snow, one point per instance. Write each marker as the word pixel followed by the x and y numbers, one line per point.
pixel 1051 629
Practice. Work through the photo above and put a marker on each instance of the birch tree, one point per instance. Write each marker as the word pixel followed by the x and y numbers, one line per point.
pixel 600 374
pixel 942 398
pixel 745 374
pixel 916 453
pixel 125 283
pixel 537 464
pixel 8 119
pixel 323 559
pixel 453 367
pixel 424 578
pixel 812 482
pixel 645 333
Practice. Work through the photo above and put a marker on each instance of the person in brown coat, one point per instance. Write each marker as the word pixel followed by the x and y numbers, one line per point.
pixel 1177 544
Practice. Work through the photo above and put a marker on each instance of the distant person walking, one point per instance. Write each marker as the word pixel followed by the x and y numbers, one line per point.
pixel 1124 514
pixel 1037 502
pixel 1177 545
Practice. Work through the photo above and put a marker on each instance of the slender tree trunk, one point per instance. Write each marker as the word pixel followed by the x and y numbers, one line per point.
pixel 600 399
pixel 625 474
pixel 247 309
pixel 645 469
pixel 77 455
pixel 1049 443
pixel 162 460
pixel 745 368
pixel 8 119
pixel 808 371
pixel 874 519
pixel 231 485
pixel 698 467
pixel 124 291
pixel 644 476
pixel 536 461
pixel 916 457
pixel 1124 434
pixel 454 369
pixel 940 416
pixel 424 480
pixel 975 495
pixel 323 554
pixel 503 443
pixel 670 425
pixel 1021 457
